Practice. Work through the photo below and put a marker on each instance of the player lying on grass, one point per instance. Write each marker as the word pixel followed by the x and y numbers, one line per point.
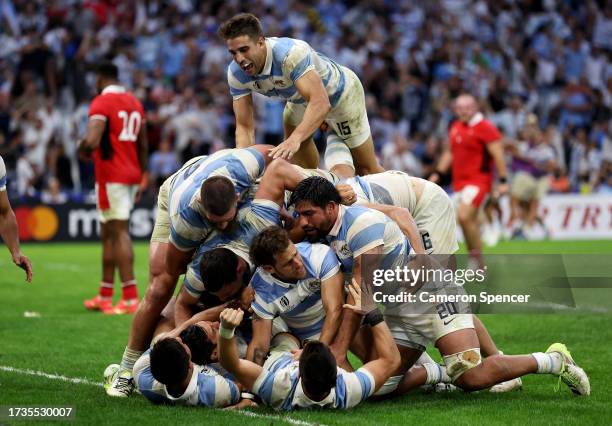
pixel 182 370
pixel 313 380
pixel 189 208
pixel 300 283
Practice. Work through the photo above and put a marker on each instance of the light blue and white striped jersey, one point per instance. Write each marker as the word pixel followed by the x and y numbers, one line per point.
pixel 280 387
pixel 287 60
pixel 252 218
pixel 358 229
pixel 392 188
pixel 188 223
pixel 2 175
pixel 210 386
pixel 298 304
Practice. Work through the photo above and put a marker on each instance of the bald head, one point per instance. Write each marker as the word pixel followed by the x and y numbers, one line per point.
pixel 465 107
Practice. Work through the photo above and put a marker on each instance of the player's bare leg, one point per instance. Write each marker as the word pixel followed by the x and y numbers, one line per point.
pixel 307 156
pixel 487 345
pixel 166 319
pixel 103 301
pixel 338 158
pixel 467 216
pixel 124 261
pixel 365 159
pixel 471 373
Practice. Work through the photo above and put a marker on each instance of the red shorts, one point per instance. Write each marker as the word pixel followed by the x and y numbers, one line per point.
pixel 472 194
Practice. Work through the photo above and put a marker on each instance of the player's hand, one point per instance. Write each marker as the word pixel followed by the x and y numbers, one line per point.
pixel 246 298
pixel 24 263
pixel 244 403
pixel 502 189
pixel 362 297
pixel 296 354
pixel 347 194
pixel 285 150
pixel 231 318
pixel 434 177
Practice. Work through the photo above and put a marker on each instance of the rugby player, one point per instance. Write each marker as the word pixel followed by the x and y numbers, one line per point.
pixel 475 144
pixel 316 89
pixel 202 196
pixel 300 283
pixel 117 139
pixel 314 380
pixel 9 230
pixel 353 231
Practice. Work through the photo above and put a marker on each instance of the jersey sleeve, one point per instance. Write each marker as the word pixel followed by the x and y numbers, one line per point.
pixel 193 281
pixel 298 61
pixel 274 387
pixel 366 232
pixel 358 386
pixel 328 264
pixel 217 391
pixel 99 109
pixel 237 82
pixel 265 213
pixel 488 132
pixel 2 175
pixel 145 382
pixel 260 304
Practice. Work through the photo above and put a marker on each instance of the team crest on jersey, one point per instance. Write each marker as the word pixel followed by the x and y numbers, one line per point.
pixel 256 84
pixel 313 285
pixel 341 249
pixel 279 82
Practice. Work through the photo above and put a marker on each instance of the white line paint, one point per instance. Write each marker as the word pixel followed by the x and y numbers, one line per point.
pixel 76 380
pixel 82 381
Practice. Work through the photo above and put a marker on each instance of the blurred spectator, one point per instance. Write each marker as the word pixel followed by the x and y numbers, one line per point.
pixel 53 194
pixel 163 163
pixel 550 58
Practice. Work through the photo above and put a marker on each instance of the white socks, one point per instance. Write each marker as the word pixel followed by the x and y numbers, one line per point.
pixel 436 373
pixel 130 357
pixel 548 363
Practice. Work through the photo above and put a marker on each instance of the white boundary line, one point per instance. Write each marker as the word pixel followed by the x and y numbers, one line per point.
pixel 82 381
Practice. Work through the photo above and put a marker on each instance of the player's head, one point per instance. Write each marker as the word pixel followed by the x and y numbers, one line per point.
pixel 219 202
pixel 465 107
pixel 170 361
pixel 223 274
pixel 316 201
pixel 275 253
pixel 318 370
pixel 245 41
pixel 201 338
pixel 106 73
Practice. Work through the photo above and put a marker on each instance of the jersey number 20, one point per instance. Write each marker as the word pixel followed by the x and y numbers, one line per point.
pixel 131 125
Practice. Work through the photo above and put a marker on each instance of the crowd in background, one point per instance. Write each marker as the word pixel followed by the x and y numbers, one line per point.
pixel 541 70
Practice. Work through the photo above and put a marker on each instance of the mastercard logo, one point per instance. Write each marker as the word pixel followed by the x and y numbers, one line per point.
pixel 36 223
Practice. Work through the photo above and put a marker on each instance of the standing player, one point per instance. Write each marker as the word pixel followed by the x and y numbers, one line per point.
pixel 8 227
pixel 315 87
pixel 475 143
pixel 116 135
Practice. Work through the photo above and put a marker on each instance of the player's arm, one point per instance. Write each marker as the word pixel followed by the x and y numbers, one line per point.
pixel 405 221
pixel 183 307
pixel 260 343
pixel 310 86
pixel 142 144
pixel 444 163
pixel 278 177
pixel 350 322
pixel 332 296
pixel 246 372
pixel 496 150
pixel 388 357
pixel 9 232
pixel 93 137
pixel 245 122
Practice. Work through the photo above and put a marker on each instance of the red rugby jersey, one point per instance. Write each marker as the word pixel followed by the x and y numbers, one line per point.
pixel 472 163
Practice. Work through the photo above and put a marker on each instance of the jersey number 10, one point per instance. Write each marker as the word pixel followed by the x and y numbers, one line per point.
pixel 131 125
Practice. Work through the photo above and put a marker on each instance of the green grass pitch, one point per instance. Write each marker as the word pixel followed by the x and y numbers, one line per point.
pixel 68 341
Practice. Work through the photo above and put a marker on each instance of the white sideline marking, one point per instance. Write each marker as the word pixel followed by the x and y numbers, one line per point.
pixel 81 381
pixel 49 376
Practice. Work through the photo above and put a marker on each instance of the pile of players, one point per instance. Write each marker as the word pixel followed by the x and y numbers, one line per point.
pixel 277 257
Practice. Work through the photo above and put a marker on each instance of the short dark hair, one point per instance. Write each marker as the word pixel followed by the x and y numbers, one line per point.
pixel 169 361
pixel 199 344
pixel 318 370
pixel 316 190
pixel 108 70
pixel 239 25
pixel 218 195
pixel 218 267
pixel 266 244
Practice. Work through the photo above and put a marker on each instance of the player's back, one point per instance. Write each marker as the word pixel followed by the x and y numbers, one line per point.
pixel 116 159
pixel 393 188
